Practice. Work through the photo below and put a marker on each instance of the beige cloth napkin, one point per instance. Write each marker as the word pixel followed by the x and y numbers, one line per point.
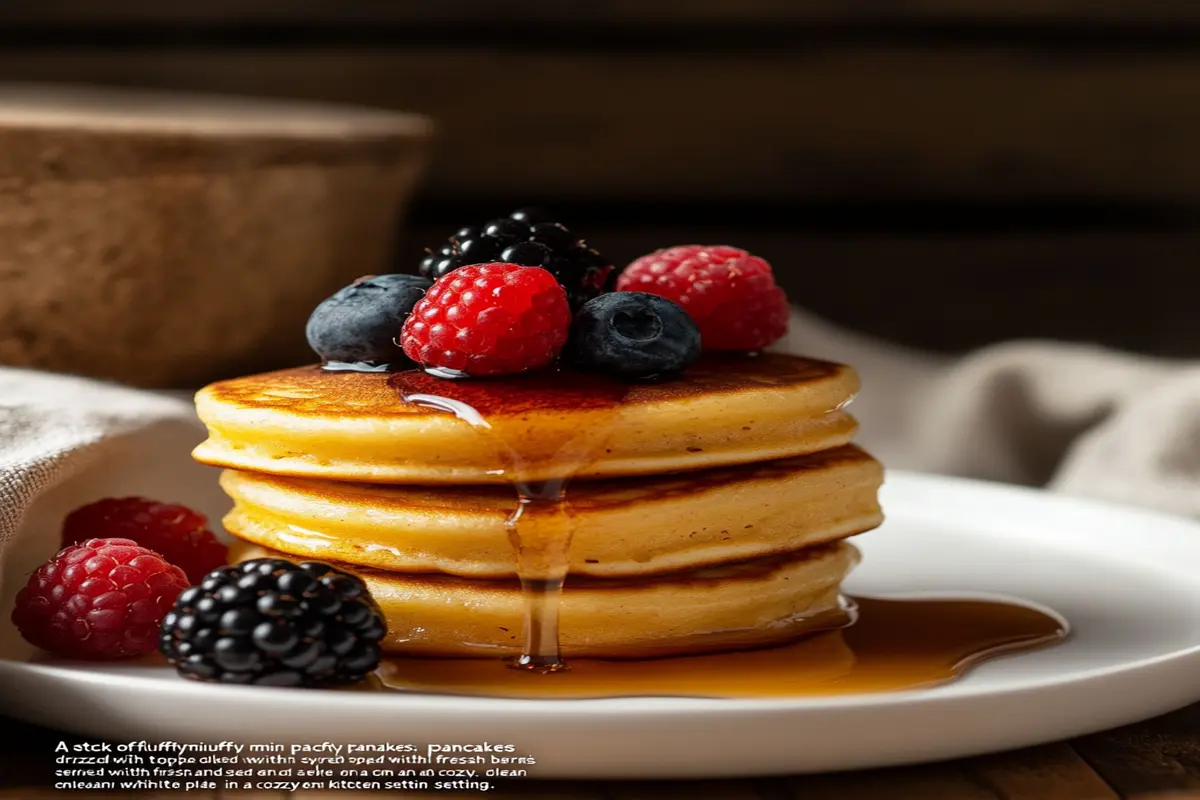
pixel 1077 419
pixel 66 441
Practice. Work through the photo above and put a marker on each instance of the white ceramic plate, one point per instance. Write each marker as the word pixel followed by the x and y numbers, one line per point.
pixel 1128 582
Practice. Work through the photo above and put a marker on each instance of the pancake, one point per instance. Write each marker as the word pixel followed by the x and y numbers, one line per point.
pixel 352 426
pixel 722 608
pixel 629 526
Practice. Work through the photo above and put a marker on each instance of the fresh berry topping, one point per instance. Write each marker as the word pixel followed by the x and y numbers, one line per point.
pixel 274 623
pixel 98 600
pixel 528 254
pixel 438 264
pixel 552 235
pixel 633 334
pixel 481 248
pixel 358 324
pixel 531 216
pixel 506 230
pixel 489 319
pixel 582 271
pixel 730 294
pixel 176 532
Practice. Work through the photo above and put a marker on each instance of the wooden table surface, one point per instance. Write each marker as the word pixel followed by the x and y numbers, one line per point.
pixel 1157 759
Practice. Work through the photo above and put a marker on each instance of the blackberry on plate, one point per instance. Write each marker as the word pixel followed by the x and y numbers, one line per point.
pixel 359 323
pixel 271 622
pixel 529 237
pixel 633 334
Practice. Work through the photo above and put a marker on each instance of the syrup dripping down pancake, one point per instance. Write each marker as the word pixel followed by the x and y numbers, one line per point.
pixel 349 426
pixel 750 604
pixel 631 526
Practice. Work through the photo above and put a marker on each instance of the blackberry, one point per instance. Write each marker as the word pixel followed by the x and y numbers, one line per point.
pixel 528 254
pixel 529 237
pixel 271 622
pixel 633 334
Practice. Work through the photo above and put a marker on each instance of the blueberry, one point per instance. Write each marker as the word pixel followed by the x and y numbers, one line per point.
pixel 633 334
pixel 360 322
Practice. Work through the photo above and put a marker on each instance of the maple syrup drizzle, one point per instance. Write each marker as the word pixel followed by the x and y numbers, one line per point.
pixel 541 525
pixel 542 567
pixel 882 645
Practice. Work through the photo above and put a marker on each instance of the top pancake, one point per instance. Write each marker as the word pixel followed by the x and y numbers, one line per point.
pixel 355 426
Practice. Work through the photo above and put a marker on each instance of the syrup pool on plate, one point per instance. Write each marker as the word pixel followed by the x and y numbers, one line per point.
pixel 883 645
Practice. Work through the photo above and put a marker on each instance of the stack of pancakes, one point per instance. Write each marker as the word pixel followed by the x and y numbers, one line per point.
pixel 707 512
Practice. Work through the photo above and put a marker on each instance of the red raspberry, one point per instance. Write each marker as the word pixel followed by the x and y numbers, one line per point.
pixel 730 294
pixel 489 319
pixel 102 599
pixel 178 533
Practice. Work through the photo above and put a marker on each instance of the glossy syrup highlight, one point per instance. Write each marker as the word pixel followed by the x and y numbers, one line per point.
pixel 355 366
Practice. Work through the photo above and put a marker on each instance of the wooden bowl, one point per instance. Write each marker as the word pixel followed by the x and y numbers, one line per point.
pixel 167 240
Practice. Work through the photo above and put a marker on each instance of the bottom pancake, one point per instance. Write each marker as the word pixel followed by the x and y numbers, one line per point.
pixel 750 604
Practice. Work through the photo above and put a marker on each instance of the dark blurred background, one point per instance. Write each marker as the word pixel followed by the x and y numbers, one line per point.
pixel 943 173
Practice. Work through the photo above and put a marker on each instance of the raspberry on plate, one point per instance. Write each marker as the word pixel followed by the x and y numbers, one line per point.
pixel 178 533
pixel 99 600
pixel 489 319
pixel 729 293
